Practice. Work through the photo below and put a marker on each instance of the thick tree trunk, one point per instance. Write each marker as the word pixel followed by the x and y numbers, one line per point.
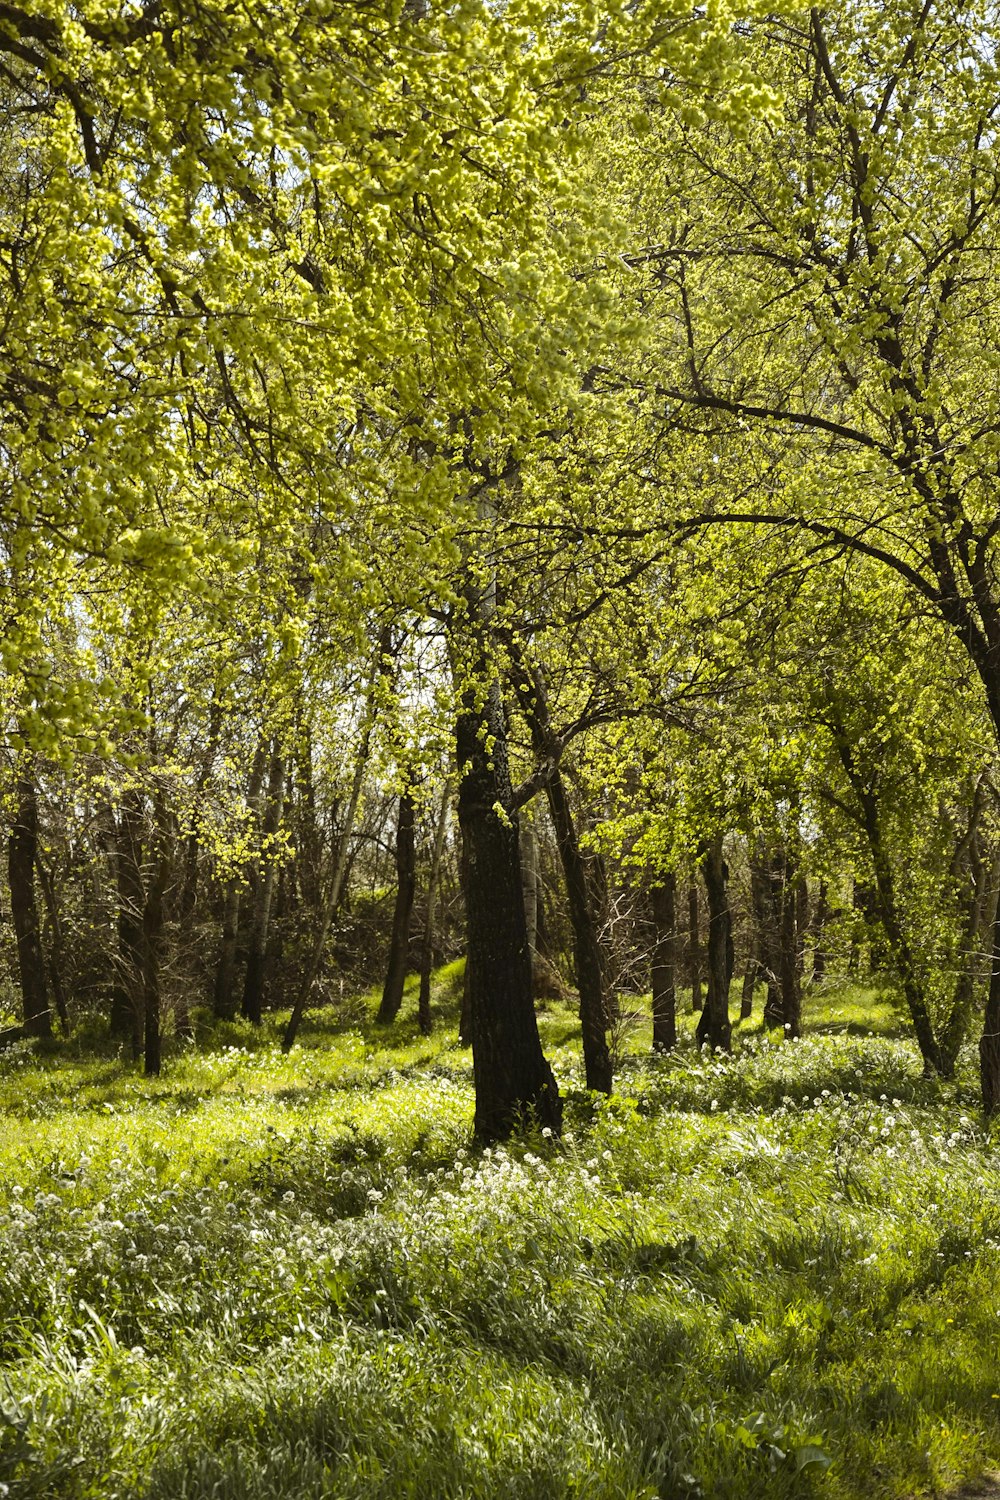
pixel 663 907
pixel 427 944
pixel 714 1027
pixel 694 948
pixel 529 878
pixel 406 886
pixel 252 1006
pixel 513 1081
pixel 22 848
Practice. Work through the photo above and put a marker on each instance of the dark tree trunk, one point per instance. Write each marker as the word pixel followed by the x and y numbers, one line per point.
pixel 512 1078
pixel 888 911
pixel 152 947
pixel 189 884
pixel 427 945
pixel 821 916
pixel 406 886
pixel 22 849
pixel 224 990
pixel 584 884
pixel 663 906
pixel 773 934
pixel 989 1042
pixel 791 951
pixel 714 1028
pixel 252 1006
pixel 586 941
pixel 126 1012
pixel 694 948
pixel 55 941
pixel 750 976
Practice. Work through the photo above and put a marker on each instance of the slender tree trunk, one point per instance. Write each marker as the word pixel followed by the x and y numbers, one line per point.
pixel 791 950
pixel 888 910
pixel 529 877
pixel 774 909
pixel 224 993
pixel 337 879
pixel 582 883
pixel 513 1080
pixel 586 941
pixel 152 948
pixel 663 906
pixel 750 977
pixel 22 849
pixel 253 988
pixel 989 1042
pixel 406 886
pixel 821 916
pixel 714 1027
pixel 427 945
pixel 126 1011
pixel 55 946
pixel 694 948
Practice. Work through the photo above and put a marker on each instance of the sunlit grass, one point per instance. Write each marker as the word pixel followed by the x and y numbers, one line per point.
pixel 259 1276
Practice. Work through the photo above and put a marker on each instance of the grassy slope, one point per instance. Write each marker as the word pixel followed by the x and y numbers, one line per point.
pixel 261 1277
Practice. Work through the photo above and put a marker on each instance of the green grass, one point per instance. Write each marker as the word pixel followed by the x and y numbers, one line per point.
pixel 775 1274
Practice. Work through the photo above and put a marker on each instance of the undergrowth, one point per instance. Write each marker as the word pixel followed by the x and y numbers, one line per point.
pixel 773 1274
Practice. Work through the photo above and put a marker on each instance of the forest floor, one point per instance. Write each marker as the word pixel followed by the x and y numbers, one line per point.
pixel 270 1278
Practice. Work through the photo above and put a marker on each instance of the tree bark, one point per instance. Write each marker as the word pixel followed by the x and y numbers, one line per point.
pixel 427 944
pixel 22 849
pixel 694 948
pixel 582 888
pixel 152 948
pixel 223 993
pixel 126 1013
pixel 252 1006
pixel 663 906
pixel 714 1027
pixel 513 1081
pixel 888 911
pixel 406 886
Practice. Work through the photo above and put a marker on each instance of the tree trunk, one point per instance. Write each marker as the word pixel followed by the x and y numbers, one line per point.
pixel 989 1042
pixel 888 911
pixel 586 941
pixel 694 948
pixel 337 879
pixel 663 906
pixel 427 945
pixel 750 976
pixel 406 886
pixel 714 1026
pixel 583 884
pixel 126 1013
pixel 513 1081
pixel 253 987
pixel 22 848
pixel 529 878
pixel 791 950
pixel 152 947
pixel 821 916
pixel 224 993
pixel 55 945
